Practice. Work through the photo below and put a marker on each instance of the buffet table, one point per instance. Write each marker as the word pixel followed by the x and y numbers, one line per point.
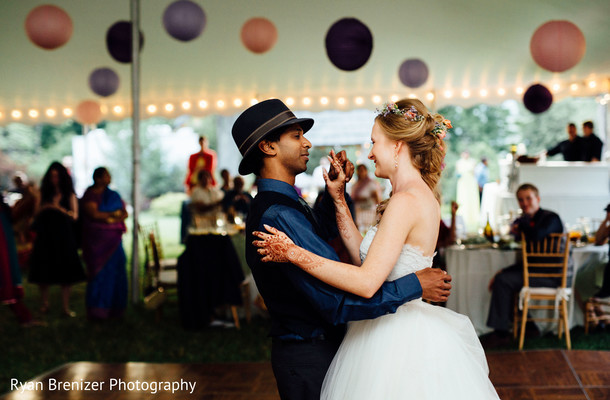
pixel 472 269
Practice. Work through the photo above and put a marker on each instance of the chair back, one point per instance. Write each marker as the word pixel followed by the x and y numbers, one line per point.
pixel 547 258
pixel 152 245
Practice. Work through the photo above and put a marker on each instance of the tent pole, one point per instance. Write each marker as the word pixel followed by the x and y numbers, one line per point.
pixel 135 110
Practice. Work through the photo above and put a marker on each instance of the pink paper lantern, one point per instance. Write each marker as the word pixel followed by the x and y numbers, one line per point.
pixel 258 35
pixel 557 45
pixel 88 112
pixel 48 26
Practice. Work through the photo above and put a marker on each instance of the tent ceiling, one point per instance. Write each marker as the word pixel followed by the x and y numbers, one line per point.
pixel 473 45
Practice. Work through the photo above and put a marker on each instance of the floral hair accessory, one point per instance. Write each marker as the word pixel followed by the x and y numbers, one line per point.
pixel 440 131
pixel 410 114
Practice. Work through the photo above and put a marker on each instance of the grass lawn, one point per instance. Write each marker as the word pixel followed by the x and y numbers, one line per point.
pixel 28 352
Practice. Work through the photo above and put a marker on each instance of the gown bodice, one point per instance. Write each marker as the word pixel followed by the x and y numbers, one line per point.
pixel 411 258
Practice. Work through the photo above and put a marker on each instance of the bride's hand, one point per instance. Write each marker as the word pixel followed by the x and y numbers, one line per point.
pixel 336 187
pixel 273 247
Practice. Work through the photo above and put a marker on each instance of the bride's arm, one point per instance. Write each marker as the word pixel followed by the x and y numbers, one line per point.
pixel 350 235
pixel 363 281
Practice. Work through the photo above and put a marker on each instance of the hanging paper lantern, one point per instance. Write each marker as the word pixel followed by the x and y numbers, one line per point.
pixel 88 112
pixel 104 81
pixel 349 44
pixel 557 45
pixel 258 35
pixel 537 99
pixel 48 26
pixel 413 73
pixel 184 20
pixel 118 41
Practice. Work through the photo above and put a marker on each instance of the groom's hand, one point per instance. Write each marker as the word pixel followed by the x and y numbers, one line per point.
pixel 434 283
pixel 347 165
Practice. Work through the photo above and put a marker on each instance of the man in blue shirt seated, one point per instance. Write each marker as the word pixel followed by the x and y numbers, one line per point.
pixel 307 315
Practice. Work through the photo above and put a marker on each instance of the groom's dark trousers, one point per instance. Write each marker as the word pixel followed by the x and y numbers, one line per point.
pixel 307 315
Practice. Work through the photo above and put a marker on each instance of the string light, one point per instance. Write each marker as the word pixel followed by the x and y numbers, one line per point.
pixel 290 101
pixel 324 100
pixel 16 114
pixel 119 109
pixel 483 93
pixel 169 107
pixel 203 104
pixel 50 112
pixel 186 105
pixel 448 94
pixel 151 109
pixel 465 93
pixel 67 112
pixel 412 96
pixel 556 87
pixel 359 100
pixel 220 104
pixel 306 101
pixel 592 84
pixel 341 101
pixel 394 98
pixel 1 115
pixel 501 92
pixel 519 90
pixel 253 102
pixel 430 96
pixel 33 113
pixel 574 87
pixel 237 102
pixel 376 99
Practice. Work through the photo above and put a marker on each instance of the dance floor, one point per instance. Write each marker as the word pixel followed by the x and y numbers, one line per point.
pixel 536 375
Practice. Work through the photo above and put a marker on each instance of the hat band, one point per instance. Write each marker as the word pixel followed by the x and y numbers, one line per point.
pixel 266 127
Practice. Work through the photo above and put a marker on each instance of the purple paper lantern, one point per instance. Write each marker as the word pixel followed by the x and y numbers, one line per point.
pixel 413 73
pixel 184 20
pixel 537 99
pixel 104 81
pixel 118 41
pixel 349 44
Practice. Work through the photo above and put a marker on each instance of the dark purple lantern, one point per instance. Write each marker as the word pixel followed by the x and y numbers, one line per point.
pixel 184 20
pixel 537 99
pixel 104 81
pixel 413 73
pixel 118 41
pixel 349 44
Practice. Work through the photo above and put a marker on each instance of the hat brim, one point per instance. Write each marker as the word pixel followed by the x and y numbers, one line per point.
pixel 245 166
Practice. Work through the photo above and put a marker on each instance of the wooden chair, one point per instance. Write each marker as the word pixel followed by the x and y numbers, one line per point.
pixel 596 311
pixel 160 271
pixel 547 258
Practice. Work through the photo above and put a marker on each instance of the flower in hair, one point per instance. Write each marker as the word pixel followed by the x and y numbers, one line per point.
pixel 410 114
pixel 440 131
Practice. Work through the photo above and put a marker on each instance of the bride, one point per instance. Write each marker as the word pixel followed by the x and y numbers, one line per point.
pixel 422 351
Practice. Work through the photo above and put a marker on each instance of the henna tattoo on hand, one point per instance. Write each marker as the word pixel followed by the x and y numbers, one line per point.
pixel 342 223
pixel 279 248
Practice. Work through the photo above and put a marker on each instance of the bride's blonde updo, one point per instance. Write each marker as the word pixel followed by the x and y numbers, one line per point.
pixel 409 121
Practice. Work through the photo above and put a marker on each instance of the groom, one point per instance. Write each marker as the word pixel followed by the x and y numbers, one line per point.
pixel 307 315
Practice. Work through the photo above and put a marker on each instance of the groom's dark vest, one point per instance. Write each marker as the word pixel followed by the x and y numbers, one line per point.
pixel 291 312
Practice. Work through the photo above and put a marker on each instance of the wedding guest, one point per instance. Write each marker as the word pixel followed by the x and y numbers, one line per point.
pixel 22 216
pixel 54 259
pixel 204 159
pixel 225 175
pixel 237 200
pixel 592 145
pixel 11 288
pixel 536 224
pixel 571 148
pixel 481 173
pixel 307 316
pixel 446 237
pixel 103 227
pixel 366 194
pixel 601 236
pixel 206 200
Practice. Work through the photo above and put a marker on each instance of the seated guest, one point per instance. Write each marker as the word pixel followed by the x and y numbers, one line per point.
pixel 225 175
pixel 535 223
pixel 571 149
pixel 601 236
pixel 237 200
pixel 592 145
pixel 205 201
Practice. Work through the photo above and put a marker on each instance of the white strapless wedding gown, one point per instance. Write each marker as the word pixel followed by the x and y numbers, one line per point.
pixel 420 352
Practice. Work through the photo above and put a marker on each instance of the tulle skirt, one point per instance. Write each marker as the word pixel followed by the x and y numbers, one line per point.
pixel 420 352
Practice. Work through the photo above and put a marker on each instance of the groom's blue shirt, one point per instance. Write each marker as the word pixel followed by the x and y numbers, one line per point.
pixel 334 305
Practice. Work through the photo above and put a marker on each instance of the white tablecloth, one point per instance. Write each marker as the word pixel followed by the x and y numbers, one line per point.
pixel 472 270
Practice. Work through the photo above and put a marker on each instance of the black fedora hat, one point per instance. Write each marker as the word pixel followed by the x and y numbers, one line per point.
pixel 259 121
